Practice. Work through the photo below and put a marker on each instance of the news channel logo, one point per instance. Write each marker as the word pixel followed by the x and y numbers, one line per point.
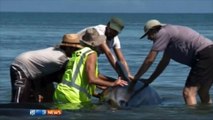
pixel 42 112
pixel 38 112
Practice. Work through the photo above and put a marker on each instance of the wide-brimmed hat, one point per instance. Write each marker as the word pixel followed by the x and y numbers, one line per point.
pixel 116 24
pixel 71 40
pixel 150 25
pixel 92 38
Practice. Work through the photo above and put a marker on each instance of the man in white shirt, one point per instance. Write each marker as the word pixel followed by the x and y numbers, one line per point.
pixel 111 31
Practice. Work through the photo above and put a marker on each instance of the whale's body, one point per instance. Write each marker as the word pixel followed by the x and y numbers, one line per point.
pixel 140 94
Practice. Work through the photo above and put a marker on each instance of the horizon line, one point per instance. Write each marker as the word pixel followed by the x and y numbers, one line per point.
pixel 109 12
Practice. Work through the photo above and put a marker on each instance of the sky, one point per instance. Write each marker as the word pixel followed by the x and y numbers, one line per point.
pixel 108 6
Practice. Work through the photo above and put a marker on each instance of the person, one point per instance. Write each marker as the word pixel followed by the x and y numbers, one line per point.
pixel 185 46
pixel 111 31
pixel 81 75
pixel 35 71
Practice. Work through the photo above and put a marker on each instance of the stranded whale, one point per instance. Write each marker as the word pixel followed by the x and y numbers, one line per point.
pixel 140 94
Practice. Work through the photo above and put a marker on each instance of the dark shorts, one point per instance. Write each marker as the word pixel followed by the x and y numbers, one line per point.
pixel 201 73
pixel 20 84
pixel 26 90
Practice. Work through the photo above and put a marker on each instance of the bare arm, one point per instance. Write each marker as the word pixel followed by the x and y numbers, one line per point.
pixel 109 55
pixel 160 68
pixel 106 78
pixel 90 68
pixel 121 58
pixel 146 64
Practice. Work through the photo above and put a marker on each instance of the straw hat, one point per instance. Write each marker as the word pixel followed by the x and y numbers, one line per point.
pixel 116 24
pixel 92 38
pixel 149 25
pixel 71 40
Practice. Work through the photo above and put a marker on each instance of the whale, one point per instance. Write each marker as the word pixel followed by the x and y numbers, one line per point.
pixel 120 97
pixel 133 95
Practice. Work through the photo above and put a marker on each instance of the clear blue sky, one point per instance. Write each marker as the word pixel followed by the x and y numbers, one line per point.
pixel 141 6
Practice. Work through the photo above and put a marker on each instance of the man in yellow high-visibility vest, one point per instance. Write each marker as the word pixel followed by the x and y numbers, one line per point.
pixel 81 75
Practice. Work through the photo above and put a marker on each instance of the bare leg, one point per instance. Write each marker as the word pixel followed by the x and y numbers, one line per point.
pixel 189 94
pixel 203 93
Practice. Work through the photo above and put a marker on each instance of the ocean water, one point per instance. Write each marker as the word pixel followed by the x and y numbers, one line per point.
pixel 20 32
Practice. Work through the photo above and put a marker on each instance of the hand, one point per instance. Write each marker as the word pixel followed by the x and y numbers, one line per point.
pixel 97 95
pixel 40 98
pixel 120 82
pixel 131 77
pixel 145 81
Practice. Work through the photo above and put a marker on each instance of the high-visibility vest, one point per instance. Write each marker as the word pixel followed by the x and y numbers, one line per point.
pixel 74 87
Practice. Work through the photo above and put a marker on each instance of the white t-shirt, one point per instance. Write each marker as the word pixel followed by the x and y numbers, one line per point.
pixel 115 43
pixel 39 63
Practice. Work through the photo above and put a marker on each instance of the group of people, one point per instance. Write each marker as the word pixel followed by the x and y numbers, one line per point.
pixel 73 63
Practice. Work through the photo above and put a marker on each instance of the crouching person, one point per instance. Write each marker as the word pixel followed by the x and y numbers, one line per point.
pixel 33 72
pixel 81 76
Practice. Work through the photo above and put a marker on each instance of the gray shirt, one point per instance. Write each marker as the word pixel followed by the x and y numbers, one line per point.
pixel 41 62
pixel 181 43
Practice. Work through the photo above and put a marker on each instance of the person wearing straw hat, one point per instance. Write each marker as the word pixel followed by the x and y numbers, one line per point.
pixel 185 46
pixel 111 31
pixel 35 71
pixel 81 75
